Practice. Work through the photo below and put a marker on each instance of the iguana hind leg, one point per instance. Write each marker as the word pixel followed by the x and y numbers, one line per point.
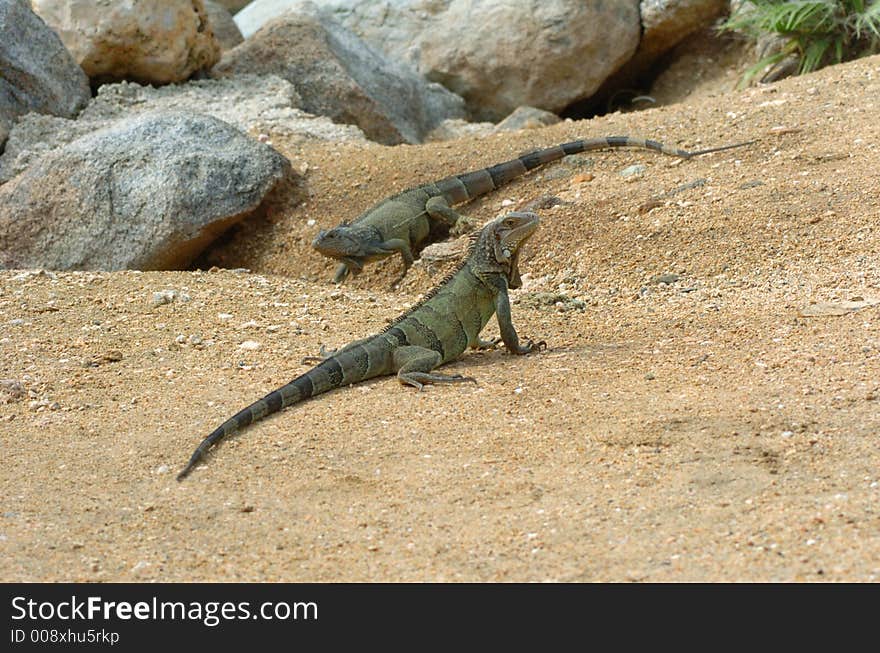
pixel 323 354
pixel 439 209
pixel 414 367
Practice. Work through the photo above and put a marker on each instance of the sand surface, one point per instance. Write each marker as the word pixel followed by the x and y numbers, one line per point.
pixel 706 409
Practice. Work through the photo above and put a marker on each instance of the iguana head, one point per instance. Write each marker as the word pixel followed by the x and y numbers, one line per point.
pixel 339 242
pixel 500 242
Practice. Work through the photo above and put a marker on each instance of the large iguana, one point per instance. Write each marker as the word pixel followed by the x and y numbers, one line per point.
pixel 436 330
pixel 415 217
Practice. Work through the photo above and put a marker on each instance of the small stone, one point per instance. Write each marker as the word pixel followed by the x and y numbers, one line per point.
pixel 635 169
pixel 11 390
pixel 250 345
pixel 666 278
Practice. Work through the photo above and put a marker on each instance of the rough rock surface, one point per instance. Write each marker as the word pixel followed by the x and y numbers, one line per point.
pixel 666 22
pixel 222 24
pixel 496 54
pixel 458 128
pixel 340 76
pixel 527 118
pixel 255 104
pixel 233 6
pixel 147 193
pixel 150 41
pixel 37 73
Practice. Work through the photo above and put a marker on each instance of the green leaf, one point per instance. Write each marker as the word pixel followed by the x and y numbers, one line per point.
pixel 754 69
pixel 813 55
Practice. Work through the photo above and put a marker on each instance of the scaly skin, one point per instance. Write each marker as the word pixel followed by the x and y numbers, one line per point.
pixel 435 331
pixel 413 218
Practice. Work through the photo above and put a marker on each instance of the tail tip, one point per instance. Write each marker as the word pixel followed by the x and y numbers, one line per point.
pixel 186 470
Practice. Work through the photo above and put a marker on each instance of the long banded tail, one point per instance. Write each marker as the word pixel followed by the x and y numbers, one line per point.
pixel 356 363
pixel 461 188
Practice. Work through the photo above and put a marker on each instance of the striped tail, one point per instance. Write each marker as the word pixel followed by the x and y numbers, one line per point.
pixel 461 188
pixel 356 363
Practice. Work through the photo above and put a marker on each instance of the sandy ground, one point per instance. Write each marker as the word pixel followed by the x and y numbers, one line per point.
pixel 689 420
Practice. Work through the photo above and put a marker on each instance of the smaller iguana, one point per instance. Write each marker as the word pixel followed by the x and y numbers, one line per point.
pixel 435 331
pixel 415 217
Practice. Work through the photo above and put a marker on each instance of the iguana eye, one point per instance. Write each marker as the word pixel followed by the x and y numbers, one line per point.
pixel 508 223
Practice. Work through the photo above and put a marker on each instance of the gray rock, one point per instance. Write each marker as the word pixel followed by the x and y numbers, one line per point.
pixel 340 76
pixel 147 193
pixel 496 54
pixel 667 22
pixel 254 104
pixel 5 127
pixel 150 41
pixel 36 72
pixel 500 55
pixel 527 118
pixel 225 29
pixel 459 128
pixel 233 6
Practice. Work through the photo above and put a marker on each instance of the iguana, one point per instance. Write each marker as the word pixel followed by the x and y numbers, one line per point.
pixel 436 330
pixel 418 216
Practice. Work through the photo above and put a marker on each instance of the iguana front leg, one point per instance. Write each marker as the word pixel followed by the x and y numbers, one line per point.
pixel 439 209
pixel 505 323
pixel 348 266
pixel 414 364
pixel 398 245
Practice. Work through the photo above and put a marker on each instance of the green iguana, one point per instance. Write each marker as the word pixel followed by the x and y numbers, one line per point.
pixel 407 221
pixel 435 331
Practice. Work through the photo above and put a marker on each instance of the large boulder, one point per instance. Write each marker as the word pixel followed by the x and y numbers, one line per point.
pixel 667 22
pixel 338 75
pixel 497 54
pixel 149 41
pixel 224 28
pixel 255 104
pixel 149 193
pixel 37 73
pixel 232 6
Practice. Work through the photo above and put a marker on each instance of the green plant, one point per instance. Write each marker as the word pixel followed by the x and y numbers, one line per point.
pixel 817 32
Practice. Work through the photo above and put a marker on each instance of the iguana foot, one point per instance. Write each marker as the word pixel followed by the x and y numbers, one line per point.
pixel 420 379
pixel 463 226
pixel 323 354
pixel 531 347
